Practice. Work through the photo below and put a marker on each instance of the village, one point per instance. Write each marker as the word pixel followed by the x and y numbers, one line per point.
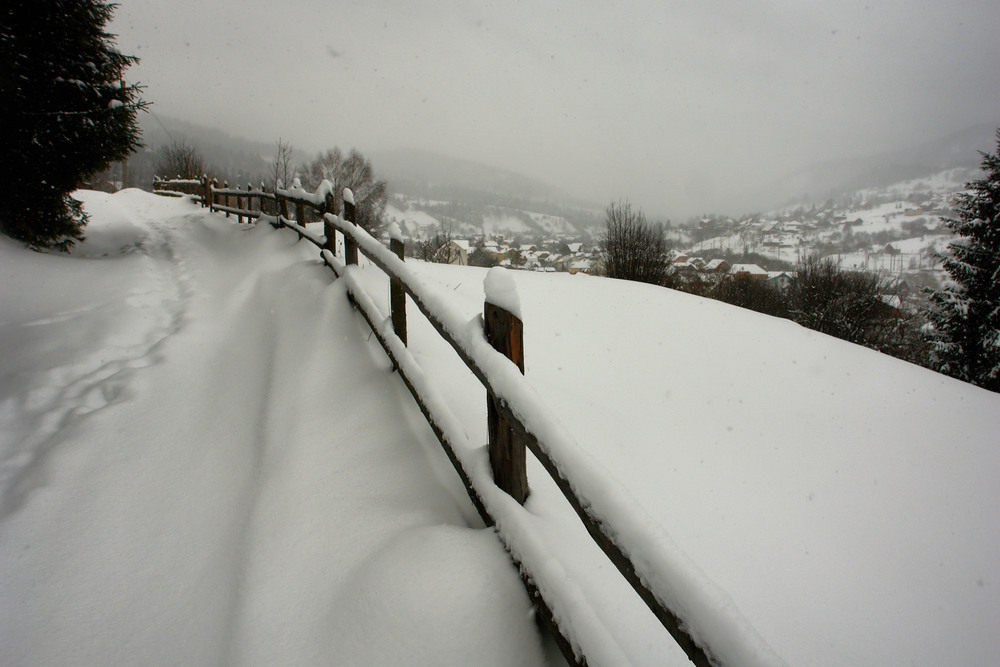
pixel 554 256
pixel 549 256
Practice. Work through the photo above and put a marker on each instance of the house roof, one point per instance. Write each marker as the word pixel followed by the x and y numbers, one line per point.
pixel 751 269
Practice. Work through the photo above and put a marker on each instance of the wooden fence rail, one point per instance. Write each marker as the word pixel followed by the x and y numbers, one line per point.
pixel 509 433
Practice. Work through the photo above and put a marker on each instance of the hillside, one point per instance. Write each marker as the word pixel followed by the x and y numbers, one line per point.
pixel 422 218
pixel 894 229
pixel 432 191
pixel 201 439
pixel 835 178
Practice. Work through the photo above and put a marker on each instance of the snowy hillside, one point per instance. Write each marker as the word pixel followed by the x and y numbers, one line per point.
pixel 894 229
pixel 200 439
pixel 421 218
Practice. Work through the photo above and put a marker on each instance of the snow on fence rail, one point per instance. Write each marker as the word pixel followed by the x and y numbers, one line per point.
pixel 231 201
pixel 699 616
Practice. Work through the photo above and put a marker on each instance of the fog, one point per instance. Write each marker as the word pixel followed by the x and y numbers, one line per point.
pixel 682 108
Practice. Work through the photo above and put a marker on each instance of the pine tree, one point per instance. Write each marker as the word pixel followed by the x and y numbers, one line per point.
pixel 66 113
pixel 965 315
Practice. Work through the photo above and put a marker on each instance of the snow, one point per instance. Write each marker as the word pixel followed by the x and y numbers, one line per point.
pixel 200 438
pixel 501 291
pixel 803 461
pixel 112 232
pixel 181 459
pixel 395 233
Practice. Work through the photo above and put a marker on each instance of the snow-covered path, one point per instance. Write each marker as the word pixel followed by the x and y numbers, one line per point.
pixel 204 461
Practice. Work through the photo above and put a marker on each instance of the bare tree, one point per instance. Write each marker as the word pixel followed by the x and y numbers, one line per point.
pixel 753 293
pixel 353 171
pixel 429 249
pixel 178 159
pixel 280 168
pixel 631 247
pixel 857 306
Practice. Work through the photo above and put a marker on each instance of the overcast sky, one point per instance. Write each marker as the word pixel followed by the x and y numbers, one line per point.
pixel 681 107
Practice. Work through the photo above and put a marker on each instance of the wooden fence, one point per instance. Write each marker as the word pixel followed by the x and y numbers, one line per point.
pixel 509 437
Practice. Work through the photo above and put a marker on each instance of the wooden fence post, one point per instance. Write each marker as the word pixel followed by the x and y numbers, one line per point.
pixel 329 230
pixel 211 194
pixel 505 332
pixel 226 186
pixel 397 295
pixel 282 207
pixel 350 213
pixel 300 214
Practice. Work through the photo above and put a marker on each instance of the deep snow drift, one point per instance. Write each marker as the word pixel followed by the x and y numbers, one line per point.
pixel 205 458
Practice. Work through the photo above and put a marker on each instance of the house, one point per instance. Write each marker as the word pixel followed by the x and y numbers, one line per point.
pixel 455 251
pixel 781 279
pixel 686 268
pixel 751 270
pixel 581 266
pixel 492 250
pixel 717 266
pixel 890 249
pixel 889 306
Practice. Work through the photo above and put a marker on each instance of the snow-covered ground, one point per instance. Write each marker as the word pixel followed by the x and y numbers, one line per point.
pixel 203 461
pixel 206 458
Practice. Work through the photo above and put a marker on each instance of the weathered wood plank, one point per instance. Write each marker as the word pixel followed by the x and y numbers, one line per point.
pixel 505 333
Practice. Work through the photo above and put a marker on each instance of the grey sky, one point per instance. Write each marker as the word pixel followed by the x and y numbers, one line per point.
pixel 680 107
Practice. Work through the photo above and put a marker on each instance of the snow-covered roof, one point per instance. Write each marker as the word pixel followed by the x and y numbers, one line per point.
pixel 751 269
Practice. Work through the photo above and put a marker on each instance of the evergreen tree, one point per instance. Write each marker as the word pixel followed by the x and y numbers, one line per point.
pixel 965 315
pixel 66 113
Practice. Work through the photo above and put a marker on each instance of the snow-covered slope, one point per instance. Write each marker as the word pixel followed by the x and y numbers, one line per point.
pixel 842 498
pixel 476 220
pixel 205 416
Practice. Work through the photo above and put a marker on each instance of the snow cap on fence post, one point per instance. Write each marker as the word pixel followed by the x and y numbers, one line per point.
pixel 395 233
pixel 349 196
pixel 501 290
